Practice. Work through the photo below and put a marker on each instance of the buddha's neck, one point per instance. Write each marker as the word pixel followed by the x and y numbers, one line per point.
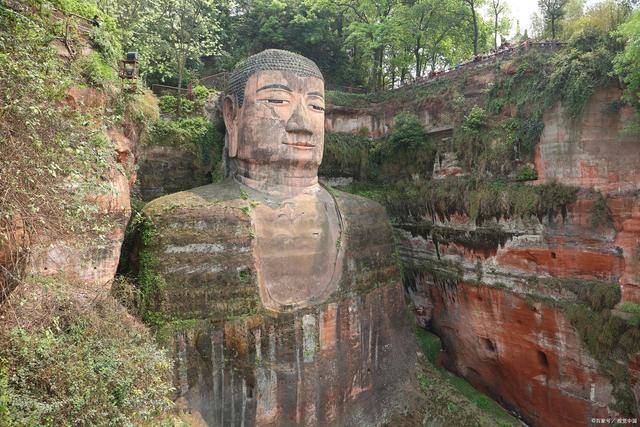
pixel 276 181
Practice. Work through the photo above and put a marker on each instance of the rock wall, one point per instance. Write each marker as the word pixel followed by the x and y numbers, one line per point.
pixel 525 354
pixel 593 150
pixel 165 170
pixel 93 259
pixel 487 290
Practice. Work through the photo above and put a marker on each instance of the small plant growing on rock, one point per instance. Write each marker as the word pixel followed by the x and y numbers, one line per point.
pixel 527 173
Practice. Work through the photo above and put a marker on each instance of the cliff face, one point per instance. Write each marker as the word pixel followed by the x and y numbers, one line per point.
pixel 165 170
pixel 92 259
pixel 526 355
pixel 498 292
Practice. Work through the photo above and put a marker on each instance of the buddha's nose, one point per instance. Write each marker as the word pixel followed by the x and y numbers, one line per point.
pixel 299 121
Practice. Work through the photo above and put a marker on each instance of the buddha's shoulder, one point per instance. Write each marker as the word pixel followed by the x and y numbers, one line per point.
pixel 220 199
pixel 358 208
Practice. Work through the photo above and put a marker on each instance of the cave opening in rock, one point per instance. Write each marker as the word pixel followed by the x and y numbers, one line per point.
pixel 542 358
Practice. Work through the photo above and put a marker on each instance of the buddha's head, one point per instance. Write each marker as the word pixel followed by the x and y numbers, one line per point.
pixel 274 114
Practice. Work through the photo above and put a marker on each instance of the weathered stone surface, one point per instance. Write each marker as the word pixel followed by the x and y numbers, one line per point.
pixel 472 320
pixel 165 170
pixel 526 355
pixel 591 151
pixel 341 361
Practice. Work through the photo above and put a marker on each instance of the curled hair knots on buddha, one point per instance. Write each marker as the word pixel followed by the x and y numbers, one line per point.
pixel 268 60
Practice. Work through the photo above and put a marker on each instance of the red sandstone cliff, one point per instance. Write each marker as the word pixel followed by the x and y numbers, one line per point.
pixel 502 331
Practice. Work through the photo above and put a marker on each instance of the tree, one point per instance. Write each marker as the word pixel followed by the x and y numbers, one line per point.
pixel 498 8
pixel 372 29
pixel 552 11
pixel 606 16
pixel 173 33
pixel 627 63
pixel 473 4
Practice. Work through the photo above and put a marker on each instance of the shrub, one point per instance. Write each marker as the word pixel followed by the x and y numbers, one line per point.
pixel 96 70
pixel 407 132
pixel 406 152
pixel 633 309
pixel 142 110
pixel 200 93
pixel 475 121
pixel 527 173
pixel 44 144
pixel 345 155
pixel 582 68
pixel 168 103
pixel 600 213
pixel 74 357
pixel 627 62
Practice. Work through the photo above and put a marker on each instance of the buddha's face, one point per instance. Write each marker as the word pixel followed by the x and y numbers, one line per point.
pixel 281 123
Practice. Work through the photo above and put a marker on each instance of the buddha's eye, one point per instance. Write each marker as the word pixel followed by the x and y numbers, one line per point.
pixel 317 107
pixel 275 101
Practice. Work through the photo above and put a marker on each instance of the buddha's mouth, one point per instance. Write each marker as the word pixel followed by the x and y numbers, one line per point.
pixel 304 145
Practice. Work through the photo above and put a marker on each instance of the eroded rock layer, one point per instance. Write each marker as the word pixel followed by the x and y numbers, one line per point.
pixel 525 354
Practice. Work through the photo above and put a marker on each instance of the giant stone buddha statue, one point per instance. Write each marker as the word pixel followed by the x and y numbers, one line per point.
pixel 280 298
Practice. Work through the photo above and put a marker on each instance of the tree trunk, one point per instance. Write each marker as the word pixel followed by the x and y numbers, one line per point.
pixel 495 31
pixel 416 53
pixel 475 30
pixel 180 72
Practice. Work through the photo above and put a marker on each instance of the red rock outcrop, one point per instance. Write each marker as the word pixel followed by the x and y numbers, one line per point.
pixel 524 354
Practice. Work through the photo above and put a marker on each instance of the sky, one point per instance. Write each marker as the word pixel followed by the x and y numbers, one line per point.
pixel 522 10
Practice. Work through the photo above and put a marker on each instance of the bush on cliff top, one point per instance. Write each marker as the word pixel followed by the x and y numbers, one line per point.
pixel 70 356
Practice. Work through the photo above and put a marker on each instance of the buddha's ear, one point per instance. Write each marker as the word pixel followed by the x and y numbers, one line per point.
pixel 230 115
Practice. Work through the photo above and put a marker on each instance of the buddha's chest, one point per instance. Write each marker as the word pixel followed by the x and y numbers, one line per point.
pixel 297 250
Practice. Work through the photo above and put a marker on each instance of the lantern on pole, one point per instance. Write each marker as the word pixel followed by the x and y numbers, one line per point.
pixel 129 70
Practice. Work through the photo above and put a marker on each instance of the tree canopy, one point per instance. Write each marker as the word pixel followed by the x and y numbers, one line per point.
pixel 368 44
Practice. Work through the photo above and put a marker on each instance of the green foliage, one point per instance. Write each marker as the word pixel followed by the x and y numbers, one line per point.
pixel 74 360
pixel 582 68
pixel 5 416
pixel 200 93
pixel 345 155
pixel 107 43
pixel 429 344
pixel 633 309
pixel 56 144
pixel 449 385
pixel 627 62
pixel 475 121
pixel 600 213
pixel 95 70
pixel 141 109
pixel 408 132
pixel 149 280
pixel 171 35
pixel 195 134
pixel 406 153
pixel 480 199
pixel 168 103
pixel 527 173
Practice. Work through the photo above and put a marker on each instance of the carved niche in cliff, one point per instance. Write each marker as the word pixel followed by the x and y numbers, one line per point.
pixel 293 299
